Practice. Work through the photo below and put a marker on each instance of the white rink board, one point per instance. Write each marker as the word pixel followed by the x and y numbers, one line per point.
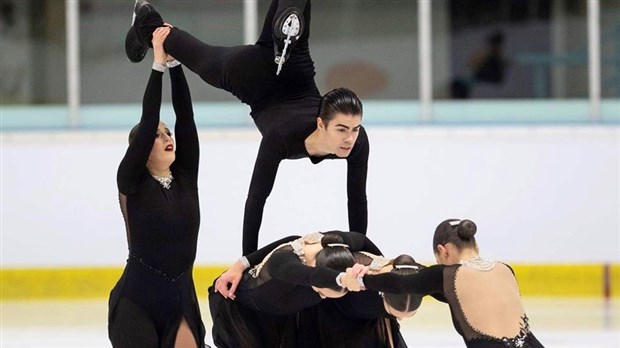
pixel 538 194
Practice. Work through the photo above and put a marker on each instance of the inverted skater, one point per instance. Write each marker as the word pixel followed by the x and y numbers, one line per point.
pixel 295 120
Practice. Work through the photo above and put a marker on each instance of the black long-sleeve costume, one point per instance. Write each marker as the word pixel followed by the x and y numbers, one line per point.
pixel 439 281
pixel 284 108
pixel 156 289
pixel 358 319
pixel 284 284
pixel 265 305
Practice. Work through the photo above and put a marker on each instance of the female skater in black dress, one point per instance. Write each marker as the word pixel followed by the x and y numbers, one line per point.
pixel 363 320
pixel 289 278
pixel 154 304
pixel 367 319
pixel 293 118
pixel 483 295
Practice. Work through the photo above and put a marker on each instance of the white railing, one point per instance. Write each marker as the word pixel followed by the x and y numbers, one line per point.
pixel 250 15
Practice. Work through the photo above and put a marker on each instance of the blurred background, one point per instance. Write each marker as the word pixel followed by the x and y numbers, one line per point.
pixel 506 112
pixel 503 52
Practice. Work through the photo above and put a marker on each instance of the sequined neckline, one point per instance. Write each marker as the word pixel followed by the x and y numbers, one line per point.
pixel 164 181
pixel 478 264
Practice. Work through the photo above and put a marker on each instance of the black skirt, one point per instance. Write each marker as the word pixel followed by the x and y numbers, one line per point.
pixel 236 325
pixel 145 308
pixel 326 326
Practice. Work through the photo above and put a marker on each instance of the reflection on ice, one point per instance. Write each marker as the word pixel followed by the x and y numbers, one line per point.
pixel 560 323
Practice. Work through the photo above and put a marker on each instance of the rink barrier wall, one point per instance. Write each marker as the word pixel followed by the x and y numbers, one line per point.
pixel 219 114
pixel 539 195
pixel 535 280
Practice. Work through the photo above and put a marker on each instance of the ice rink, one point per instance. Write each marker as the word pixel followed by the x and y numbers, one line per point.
pixel 559 323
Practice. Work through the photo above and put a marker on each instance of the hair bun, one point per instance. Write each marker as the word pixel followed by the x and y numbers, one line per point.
pixel 466 229
pixel 403 260
pixel 405 264
pixel 330 238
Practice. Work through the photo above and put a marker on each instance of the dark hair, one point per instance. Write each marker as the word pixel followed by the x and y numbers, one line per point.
pixel 132 133
pixel 340 100
pixel 362 258
pixel 336 257
pixel 404 302
pixel 455 231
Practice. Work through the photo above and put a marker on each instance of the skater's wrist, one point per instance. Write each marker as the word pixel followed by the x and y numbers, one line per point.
pixel 339 279
pixel 172 63
pixel 159 67
pixel 244 261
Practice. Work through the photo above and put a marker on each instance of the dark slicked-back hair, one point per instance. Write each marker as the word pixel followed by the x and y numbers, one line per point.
pixel 340 100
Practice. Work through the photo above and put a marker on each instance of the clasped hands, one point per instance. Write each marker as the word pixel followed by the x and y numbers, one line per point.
pixel 159 36
pixel 352 278
pixel 227 283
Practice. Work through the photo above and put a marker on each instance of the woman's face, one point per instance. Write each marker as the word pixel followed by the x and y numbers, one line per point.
pixel 341 133
pixel 329 293
pixel 162 152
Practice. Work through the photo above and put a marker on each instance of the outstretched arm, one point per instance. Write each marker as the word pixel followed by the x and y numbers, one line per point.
pixel 357 169
pixel 226 284
pixel 270 153
pixel 133 164
pixel 188 150
pixel 428 281
pixel 286 266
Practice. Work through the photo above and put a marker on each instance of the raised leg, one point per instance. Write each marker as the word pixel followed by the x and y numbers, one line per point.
pixel 286 29
pixel 248 71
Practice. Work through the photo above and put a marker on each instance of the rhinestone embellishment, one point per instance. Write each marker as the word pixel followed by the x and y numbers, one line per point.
pixel 478 263
pixel 164 181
